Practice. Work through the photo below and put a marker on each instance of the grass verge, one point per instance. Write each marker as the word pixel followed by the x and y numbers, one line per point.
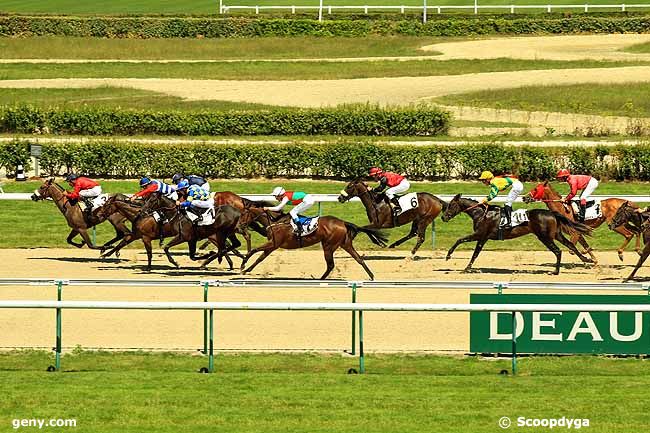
pixel 147 392
pixel 41 225
pixel 601 99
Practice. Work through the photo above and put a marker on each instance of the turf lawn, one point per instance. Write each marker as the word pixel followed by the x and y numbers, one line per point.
pixel 602 99
pixel 41 225
pixel 108 392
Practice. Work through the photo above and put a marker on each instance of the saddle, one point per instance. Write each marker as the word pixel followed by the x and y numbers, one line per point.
pixel 308 225
pixel 592 210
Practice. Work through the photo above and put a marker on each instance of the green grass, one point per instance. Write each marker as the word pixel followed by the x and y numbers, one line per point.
pixel 56 47
pixel 41 225
pixel 114 97
pixel 108 392
pixel 288 71
pixel 181 7
pixel 602 99
pixel 639 48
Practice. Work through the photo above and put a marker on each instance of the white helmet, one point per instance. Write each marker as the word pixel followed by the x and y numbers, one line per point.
pixel 278 190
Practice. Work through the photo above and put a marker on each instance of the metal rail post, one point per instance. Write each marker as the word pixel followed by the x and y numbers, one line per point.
pixel 362 364
pixel 354 320
pixel 206 285
pixel 514 343
pixel 57 356
pixel 211 358
pixel 424 12
pixel 433 234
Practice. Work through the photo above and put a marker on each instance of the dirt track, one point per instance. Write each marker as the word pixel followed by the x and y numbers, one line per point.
pixel 267 330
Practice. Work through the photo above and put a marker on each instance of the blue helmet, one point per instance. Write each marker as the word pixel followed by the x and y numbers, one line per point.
pixel 144 182
pixel 177 178
pixel 182 184
pixel 71 177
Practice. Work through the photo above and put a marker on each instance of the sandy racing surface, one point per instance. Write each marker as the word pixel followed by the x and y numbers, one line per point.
pixel 268 330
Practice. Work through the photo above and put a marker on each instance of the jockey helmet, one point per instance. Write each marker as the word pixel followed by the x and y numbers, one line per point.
pixel 486 175
pixel 375 171
pixel 71 177
pixel 183 184
pixel 177 178
pixel 144 182
pixel 278 190
pixel 563 173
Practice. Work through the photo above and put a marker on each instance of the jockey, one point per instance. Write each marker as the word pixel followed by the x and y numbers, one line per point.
pixel 84 188
pixel 396 184
pixel 196 199
pixel 149 186
pixel 586 183
pixel 300 200
pixel 501 183
pixel 192 180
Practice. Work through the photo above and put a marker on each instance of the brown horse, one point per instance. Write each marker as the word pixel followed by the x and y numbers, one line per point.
pixel 545 192
pixel 332 233
pixel 546 225
pixel 146 227
pixel 627 214
pixel 380 213
pixel 75 218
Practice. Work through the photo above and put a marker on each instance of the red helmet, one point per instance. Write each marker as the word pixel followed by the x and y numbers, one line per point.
pixel 563 173
pixel 376 171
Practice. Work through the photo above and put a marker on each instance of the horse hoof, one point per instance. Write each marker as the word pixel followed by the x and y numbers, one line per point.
pixel 620 256
pixel 447 258
pixel 391 246
pixel 640 253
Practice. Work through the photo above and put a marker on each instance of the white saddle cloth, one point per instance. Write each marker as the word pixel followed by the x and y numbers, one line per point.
pixel 408 202
pixel 592 211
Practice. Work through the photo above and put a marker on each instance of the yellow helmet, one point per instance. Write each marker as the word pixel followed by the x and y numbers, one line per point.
pixel 486 175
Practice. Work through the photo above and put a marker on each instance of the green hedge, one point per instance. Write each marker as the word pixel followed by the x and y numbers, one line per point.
pixel 345 120
pixel 339 161
pixel 191 27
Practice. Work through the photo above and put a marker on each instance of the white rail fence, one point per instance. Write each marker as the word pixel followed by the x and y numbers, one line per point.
pixel 357 309
pixel 426 9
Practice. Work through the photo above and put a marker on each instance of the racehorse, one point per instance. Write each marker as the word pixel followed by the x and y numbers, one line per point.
pixel 75 218
pixel 380 214
pixel 332 233
pixel 226 221
pixel 545 192
pixel 146 227
pixel 627 214
pixel 546 225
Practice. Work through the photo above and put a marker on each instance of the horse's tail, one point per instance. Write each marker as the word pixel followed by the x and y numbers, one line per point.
pixel 570 227
pixel 376 236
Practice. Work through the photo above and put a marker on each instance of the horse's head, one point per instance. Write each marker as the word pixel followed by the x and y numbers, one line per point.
pixel 353 189
pixel 622 215
pixel 453 208
pixel 43 192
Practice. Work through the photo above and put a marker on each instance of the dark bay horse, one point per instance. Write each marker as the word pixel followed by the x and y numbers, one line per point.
pixel 332 233
pixel 544 192
pixel 74 216
pixel 628 213
pixel 546 225
pixel 380 213
pixel 146 227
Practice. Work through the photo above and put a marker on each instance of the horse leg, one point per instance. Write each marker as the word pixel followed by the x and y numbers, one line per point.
pixel 639 263
pixel 247 237
pixel 124 242
pixel 588 249
pixel 422 233
pixel 71 236
pixel 355 255
pixel 86 237
pixel 179 239
pixel 628 237
pixel 267 248
pixel 563 240
pixel 328 252
pixel 147 246
pixel 470 238
pixel 411 234
pixel 477 251
pixel 548 243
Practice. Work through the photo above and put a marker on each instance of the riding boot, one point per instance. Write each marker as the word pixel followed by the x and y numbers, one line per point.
pixel 508 214
pixel 394 204
pixel 583 211
pixel 298 231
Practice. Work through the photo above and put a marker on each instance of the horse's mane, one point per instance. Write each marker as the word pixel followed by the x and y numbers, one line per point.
pixel 256 203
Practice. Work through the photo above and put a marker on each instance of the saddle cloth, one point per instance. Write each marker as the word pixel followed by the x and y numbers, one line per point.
pixel 206 218
pixel 518 217
pixel 97 202
pixel 309 225
pixel 593 209
pixel 408 202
